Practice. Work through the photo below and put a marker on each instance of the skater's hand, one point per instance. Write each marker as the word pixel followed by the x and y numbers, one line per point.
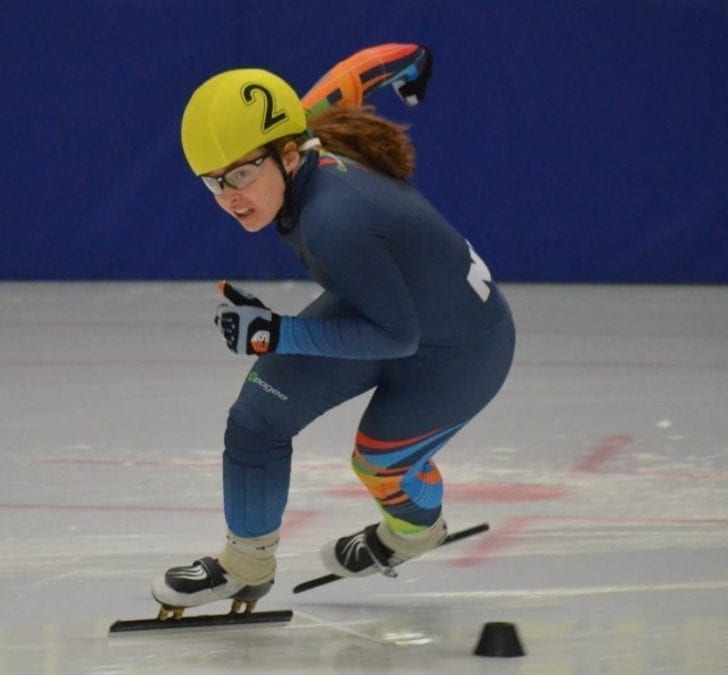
pixel 247 317
pixel 413 92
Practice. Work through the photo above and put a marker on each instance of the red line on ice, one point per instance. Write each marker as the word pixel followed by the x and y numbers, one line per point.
pixel 503 492
pixel 180 463
pixel 111 507
pixel 601 454
pixel 293 521
pixel 637 521
pixel 496 540
pixel 292 518
pixel 164 463
pixel 512 529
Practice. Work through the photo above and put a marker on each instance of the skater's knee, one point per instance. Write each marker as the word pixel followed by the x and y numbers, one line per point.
pixel 250 440
pixel 244 430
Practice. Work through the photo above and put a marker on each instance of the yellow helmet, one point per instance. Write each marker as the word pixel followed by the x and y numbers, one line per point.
pixel 235 112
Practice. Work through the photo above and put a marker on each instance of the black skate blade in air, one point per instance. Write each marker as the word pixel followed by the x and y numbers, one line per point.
pixel 202 621
pixel 328 578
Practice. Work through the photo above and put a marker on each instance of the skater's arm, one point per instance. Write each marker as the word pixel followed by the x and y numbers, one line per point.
pixel 366 276
pixel 407 67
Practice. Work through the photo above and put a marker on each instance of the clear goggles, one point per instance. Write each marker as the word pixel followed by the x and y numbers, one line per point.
pixel 238 177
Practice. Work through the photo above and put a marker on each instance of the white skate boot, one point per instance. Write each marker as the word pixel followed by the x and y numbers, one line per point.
pixel 243 573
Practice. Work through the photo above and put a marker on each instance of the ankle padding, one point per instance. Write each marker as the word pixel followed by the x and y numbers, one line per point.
pixel 412 545
pixel 250 561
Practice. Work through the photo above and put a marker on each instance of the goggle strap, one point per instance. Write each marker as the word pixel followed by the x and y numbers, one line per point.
pixel 311 144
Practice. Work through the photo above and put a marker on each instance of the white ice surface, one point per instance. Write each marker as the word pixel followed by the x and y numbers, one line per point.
pixel 601 466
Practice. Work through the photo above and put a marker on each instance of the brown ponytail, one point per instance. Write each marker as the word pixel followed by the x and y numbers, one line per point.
pixel 366 138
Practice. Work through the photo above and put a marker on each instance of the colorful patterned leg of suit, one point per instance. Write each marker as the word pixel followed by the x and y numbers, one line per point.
pixel 418 404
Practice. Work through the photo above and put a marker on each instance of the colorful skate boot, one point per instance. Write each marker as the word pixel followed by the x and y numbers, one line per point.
pixel 377 548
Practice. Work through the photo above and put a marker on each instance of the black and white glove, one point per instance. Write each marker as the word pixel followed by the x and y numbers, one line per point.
pixel 247 317
pixel 413 91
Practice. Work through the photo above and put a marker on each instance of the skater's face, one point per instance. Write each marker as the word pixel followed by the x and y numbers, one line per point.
pixel 251 189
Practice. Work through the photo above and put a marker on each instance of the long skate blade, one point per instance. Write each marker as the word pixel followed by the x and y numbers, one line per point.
pixel 329 578
pixel 315 583
pixel 203 621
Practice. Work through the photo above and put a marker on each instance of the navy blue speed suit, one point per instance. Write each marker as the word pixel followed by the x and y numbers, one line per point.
pixel 409 310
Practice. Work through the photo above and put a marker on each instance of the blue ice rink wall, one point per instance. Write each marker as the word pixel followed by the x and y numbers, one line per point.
pixel 570 140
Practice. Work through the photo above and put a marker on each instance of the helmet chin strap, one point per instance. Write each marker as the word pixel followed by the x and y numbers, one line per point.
pixel 311 144
pixel 287 180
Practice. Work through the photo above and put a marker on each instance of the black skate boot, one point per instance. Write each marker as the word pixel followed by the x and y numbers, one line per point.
pixel 202 582
pixel 377 548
